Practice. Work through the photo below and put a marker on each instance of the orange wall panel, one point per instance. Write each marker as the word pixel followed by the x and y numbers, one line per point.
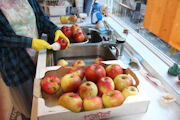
pixel 162 18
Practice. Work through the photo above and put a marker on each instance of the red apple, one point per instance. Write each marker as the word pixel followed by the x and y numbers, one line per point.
pixel 50 84
pixel 113 70
pixel 104 85
pixel 63 43
pixel 71 101
pixel 92 103
pixel 98 60
pixel 65 28
pixel 62 62
pixel 74 26
pixel 79 37
pixel 112 98
pixel 79 63
pixel 70 82
pixel 122 81
pixel 77 70
pixel 72 19
pixel 77 30
pixel 67 31
pixel 87 88
pixel 94 72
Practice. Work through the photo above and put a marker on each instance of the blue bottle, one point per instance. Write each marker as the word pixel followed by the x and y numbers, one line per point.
pixel 96 13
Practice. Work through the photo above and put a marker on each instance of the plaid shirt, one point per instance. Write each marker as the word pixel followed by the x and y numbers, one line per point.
pixel 16 65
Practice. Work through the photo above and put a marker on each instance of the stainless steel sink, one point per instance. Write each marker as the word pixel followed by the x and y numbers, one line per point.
pixel 87 52
pixel 96 46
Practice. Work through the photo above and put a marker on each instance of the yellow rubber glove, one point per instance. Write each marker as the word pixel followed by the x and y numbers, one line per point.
pixel 60 34
pixel 39 44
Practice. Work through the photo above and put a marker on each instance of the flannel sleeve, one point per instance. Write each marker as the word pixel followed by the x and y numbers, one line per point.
pixel 15 41
pixel 47 27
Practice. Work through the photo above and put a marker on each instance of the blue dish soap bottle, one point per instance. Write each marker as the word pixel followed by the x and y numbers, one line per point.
pixel 96 15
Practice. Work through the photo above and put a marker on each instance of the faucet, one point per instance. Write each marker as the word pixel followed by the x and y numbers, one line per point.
pixel 119 46
pixel 93 29
pixel 107 36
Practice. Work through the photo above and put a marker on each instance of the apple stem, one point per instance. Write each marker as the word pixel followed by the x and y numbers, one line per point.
pixel 123 77
pixel 71 96
pixel 132 89
pixel 50 80
pixel 110 95
pixel 54 88
pixel 88 84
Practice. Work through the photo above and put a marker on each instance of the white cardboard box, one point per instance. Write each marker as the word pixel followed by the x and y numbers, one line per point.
pixel 49 110
pixel 56 10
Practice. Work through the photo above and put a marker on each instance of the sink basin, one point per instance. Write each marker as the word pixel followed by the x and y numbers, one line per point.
pixel 87 52
pixel 91 37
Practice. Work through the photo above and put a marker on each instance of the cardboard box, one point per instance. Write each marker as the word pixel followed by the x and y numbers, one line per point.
pixel 49 109
pixel 56 10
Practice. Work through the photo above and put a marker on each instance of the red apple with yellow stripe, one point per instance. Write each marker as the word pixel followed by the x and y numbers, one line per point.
pixel 113 70
pixel 104 85
pixel 70 82
pixel 87 88
pixel 50 84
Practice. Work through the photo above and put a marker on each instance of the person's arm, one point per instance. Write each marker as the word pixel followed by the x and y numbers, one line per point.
pixel 47 27
pixel 15 41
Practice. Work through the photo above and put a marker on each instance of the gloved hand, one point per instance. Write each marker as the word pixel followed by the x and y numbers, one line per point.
pixel 39 44
pixel 59 34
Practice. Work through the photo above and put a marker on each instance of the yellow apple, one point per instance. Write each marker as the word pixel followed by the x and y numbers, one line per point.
pixel 112 98
pixel 122 81
pixel 62 62
pixel 64 19
pixel 131 90
pixel 92 103
pixel 71 101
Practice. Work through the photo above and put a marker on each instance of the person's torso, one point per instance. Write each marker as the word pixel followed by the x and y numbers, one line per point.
pixel 22 19
pixel 20 16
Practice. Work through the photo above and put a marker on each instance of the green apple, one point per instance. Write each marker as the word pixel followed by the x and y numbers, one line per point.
pixel 131 90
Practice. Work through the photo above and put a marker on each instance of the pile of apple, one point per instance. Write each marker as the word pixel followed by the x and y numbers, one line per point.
pixel 72 19
pixel 103 87
pixel 74 32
